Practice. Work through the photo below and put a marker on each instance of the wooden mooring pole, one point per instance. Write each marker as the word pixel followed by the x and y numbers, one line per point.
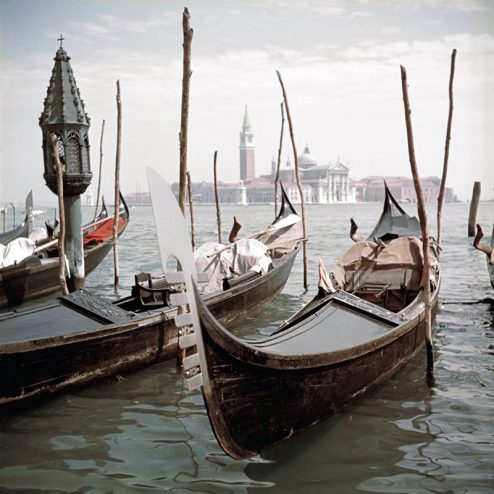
pixel 474 207
pixel 442 187
pixel 61 214
pixel 191 209
pixel 423 223
pixel 297 175
pixel 116 218
pixel 184 119
pixel 216 198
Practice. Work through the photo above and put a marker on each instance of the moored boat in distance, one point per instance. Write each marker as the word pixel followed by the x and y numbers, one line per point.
pixel 24 228
pixel 366 322
pixel 36 275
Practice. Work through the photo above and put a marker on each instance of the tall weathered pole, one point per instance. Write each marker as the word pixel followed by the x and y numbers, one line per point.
pixel 61 234
pixel 216 198
pixel 116 217
pixel 423 222
pixel 191 209
pixel 64 115
pixel 188 32
pixel 297 175
pixel 442 187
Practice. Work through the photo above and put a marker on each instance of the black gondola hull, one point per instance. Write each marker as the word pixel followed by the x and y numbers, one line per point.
pixel 254 405
pixel 63 358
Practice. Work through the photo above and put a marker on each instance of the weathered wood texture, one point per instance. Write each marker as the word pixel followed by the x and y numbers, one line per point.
pixel 117 187
pixel 191 210
pixel 442 187
pixel 184 118
pixel 297 175
pixel 61 214
pixel 253 406
pixel 86 350
pixel 474 207
pixel 216 197
pixel 423 221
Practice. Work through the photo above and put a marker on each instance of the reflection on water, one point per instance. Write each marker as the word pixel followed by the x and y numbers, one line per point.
pixel 145 431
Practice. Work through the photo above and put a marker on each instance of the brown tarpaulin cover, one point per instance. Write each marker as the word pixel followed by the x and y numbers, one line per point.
pixel 399 255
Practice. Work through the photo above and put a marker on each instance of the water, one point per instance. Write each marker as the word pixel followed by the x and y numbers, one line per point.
pixel 145 432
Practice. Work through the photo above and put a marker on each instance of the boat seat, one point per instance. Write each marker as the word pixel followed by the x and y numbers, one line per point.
pixel 374 292
pixel 149 297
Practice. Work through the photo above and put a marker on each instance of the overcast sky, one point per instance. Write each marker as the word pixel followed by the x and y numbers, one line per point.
pixel 339 61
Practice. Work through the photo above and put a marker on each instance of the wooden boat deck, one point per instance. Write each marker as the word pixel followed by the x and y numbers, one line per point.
pixel 45 323
pixel 351 321
pixel 75 313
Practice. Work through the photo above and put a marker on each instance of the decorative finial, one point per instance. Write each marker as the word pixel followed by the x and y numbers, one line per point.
pixel 61 40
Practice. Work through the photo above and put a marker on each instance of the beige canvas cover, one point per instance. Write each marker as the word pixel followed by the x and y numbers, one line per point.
pixel 399 261
pixel 282 236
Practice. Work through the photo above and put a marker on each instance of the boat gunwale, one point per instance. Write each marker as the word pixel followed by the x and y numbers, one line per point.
pixel 104 330
pixel 219 295
pixel 252 354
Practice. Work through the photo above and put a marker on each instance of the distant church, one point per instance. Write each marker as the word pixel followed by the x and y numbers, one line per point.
pixel 321 184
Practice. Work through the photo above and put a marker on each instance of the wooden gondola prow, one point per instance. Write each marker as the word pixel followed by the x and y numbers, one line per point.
pixel 487 249
pixel 423 223
pixel 234 231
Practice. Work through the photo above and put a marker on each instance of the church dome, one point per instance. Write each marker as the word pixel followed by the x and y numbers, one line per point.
pixel 306 159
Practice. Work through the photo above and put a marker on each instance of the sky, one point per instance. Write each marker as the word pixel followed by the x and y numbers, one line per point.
pixel 339 60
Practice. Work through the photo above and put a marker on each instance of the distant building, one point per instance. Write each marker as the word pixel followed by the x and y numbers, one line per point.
pixel 370 189
pixel 321 184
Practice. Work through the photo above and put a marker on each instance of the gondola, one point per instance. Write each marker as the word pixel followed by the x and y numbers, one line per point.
pixel 82 338
pixel 24 228
pixel 365 325
pixel 487 249
pixel 37 275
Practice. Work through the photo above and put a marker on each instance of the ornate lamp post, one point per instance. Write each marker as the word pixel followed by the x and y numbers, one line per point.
pixel 64 116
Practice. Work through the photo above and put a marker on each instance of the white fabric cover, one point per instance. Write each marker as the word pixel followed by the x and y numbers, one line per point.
pixel 38 234
pixel 222 261
pixel 16 251
pixel 217 265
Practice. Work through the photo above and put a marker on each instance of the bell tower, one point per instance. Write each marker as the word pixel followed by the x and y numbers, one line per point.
pixel 65 117
pixel 247 150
